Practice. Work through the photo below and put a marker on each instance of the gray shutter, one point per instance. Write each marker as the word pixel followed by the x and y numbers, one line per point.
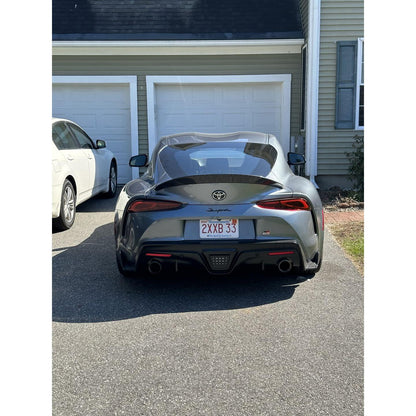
pixel 346 85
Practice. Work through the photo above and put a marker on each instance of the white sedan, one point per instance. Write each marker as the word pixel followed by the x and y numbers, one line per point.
pixel 80 170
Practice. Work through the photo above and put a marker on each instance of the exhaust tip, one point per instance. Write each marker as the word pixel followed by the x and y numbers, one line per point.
pixel 285 265
pixel 154 266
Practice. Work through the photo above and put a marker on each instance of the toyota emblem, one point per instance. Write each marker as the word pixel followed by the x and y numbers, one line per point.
pixel 218 195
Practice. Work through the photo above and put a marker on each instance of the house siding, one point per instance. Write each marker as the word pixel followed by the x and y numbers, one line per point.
pixel 141 66
pixel 340 20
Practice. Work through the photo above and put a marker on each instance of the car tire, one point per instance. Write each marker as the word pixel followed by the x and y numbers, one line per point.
pixel 112 181
pixel 68 207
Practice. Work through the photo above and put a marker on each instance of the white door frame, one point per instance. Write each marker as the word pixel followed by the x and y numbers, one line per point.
pixel 129 80
pixel 153 81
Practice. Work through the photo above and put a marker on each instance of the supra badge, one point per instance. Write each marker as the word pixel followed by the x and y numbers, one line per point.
pixel 218 195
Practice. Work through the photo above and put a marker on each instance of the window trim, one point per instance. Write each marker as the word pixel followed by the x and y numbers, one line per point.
pixel 360 59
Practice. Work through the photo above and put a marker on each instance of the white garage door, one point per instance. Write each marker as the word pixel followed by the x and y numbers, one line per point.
pixel 103 111
pixel 221 108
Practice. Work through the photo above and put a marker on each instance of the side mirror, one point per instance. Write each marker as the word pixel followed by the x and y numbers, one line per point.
pixel 295 159
pixel 138 161
pixel 100 144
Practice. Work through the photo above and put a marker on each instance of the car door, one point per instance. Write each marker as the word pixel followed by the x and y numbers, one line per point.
pixel 96 161
pixel 77 164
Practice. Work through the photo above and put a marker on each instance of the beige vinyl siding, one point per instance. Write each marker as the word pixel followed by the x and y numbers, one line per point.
pixel 340 20
pixel 141 66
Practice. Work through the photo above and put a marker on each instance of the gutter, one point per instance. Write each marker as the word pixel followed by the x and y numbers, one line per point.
pixel 312 90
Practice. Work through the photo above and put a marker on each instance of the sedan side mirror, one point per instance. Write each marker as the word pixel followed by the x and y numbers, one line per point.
pixel 295 159
pixel 138 161
pixel 100 144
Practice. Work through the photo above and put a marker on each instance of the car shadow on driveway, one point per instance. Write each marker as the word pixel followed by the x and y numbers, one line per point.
pixel 99 203
pixel 87 287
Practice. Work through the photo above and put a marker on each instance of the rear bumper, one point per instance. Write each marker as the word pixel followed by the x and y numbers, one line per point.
pixel 216 257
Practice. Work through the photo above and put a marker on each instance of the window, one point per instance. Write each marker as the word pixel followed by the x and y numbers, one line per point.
pixel 360 86
pixel 216 158
pixel 63 138
pixel 83 139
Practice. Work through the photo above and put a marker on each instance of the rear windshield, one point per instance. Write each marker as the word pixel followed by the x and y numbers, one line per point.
pixel 239 158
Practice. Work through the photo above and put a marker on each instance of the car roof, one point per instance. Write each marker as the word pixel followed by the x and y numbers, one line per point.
pixel 195 137
pixel 57 119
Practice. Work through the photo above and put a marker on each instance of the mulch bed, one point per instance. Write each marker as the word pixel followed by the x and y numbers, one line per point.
pixel 336 199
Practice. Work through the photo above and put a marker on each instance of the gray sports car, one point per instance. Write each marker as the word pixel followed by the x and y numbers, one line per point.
pixel 219 202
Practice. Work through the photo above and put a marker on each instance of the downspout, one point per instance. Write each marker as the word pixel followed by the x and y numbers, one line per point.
pixel 312 90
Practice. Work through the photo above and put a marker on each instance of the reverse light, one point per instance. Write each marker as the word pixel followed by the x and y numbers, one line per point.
pixel 292 204
pixel 143 205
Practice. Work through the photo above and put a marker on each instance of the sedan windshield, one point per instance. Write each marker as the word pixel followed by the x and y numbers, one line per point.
pixel 238 158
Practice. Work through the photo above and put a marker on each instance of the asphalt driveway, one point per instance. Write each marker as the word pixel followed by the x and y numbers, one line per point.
pixel 192 345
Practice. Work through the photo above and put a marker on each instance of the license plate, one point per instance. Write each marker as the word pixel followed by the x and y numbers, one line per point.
pixel 226 228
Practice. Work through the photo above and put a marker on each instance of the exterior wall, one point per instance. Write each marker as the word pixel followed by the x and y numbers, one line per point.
pixel 141 66
pixel 340 20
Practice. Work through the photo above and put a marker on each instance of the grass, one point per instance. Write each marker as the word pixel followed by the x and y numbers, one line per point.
pixel 350 236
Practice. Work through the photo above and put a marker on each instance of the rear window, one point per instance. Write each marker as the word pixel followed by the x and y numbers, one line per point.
pixel 216 158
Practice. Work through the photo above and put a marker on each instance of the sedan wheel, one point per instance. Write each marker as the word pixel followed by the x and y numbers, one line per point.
pixel 112 181
pixel 68 203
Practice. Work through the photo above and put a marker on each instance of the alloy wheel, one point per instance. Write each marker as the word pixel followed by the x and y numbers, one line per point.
pixel 68 204
pixel 113 179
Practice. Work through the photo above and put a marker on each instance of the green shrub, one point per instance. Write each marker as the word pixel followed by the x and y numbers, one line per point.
pixel 356 168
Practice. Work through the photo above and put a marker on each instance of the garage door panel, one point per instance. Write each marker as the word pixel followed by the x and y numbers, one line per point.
pixel 202 94
pixel 234 94
pixel 266 121
pixel 219 108
pixel 103 110
pixel 201 120
pixel 116 143
pixel 234 121
pixel 173 120
pixel 87 121
pixel 170 95
pixel 115 121
pixel 268 93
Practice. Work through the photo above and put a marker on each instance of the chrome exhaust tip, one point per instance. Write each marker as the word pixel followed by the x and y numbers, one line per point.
pixel 285 265
pixel 154 266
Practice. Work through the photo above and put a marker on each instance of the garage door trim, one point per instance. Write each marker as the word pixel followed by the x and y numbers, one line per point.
pixel 129 80
pixel 153 81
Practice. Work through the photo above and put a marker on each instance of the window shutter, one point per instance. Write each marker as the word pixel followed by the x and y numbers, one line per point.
pixel 346 85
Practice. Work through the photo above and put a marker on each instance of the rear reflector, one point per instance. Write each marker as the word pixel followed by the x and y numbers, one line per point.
pixel 281 253
pixel 152 205
pixel 158 255
pixel 292 204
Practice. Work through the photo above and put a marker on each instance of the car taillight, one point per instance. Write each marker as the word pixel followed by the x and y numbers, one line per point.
pixel 152 205
pixel 292 204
